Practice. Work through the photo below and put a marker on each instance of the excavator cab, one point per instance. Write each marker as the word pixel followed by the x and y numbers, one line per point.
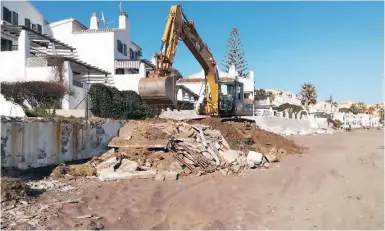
pixel 230 92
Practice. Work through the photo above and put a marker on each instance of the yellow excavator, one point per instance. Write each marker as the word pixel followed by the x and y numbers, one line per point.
pixel 159 88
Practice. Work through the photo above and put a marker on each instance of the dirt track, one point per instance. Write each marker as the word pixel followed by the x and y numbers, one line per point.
pixel 338 184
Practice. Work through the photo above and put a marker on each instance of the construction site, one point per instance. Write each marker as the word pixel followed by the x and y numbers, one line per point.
pixel 143 161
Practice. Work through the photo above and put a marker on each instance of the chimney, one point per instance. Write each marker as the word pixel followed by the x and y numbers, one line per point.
pixel 94 24
pixel 123 20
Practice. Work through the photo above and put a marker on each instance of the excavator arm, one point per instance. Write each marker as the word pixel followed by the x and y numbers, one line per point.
pixel 159 88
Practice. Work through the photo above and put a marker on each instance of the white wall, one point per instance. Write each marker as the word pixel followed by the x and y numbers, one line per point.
pixel 127 82
pixel 12 63
pixel 25 9
pixel 10 109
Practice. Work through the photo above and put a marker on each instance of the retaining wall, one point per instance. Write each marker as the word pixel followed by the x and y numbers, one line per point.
pixel 36 144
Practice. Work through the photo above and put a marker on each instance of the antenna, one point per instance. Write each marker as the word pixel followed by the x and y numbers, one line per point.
pixel 120 7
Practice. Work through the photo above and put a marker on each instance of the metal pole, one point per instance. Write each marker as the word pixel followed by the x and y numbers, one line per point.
pixel 88 81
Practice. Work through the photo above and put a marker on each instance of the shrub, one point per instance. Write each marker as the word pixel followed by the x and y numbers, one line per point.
pixel 37 112
pixel 109 102
pixel 36 93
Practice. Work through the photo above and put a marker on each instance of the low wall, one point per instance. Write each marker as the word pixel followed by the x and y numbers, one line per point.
pixel 287 126
pixel 34 144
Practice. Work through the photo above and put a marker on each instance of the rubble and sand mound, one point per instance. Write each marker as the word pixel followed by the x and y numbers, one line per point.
pixel 165 149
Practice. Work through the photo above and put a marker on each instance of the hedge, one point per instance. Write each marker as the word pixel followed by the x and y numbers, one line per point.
pixel 109 102
pixel 36 93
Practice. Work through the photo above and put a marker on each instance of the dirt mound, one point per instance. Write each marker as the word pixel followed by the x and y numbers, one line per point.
pixel 246 136
pixel 13 189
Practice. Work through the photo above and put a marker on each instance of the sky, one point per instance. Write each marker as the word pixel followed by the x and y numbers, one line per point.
pixel 337 46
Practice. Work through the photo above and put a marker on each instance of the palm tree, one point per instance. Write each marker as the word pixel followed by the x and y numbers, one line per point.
pixel 308 95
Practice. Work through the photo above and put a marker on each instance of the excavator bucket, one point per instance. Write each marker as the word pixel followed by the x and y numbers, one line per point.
pixel 159 91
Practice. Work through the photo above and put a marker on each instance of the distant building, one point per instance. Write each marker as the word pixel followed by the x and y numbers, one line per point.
pixel 195 82
pixel 323 106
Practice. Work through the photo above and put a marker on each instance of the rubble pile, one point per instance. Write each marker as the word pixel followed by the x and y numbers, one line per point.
pixel 171 149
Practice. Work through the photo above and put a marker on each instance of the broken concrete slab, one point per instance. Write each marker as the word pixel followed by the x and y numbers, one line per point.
pixel 105 176
pixel 127 166
pixel 175 167
pixel 230 156
pixel 108 165
pixel 119 142
pixel 171 175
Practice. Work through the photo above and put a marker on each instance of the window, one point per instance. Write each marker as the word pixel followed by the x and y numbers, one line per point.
pixel 39 28
pixel 119 71
pixel 15 18
pixel 125 50
pixel 6 45
pixel 120 46
pixel 27 23
pixel 131 54
pixel 7 16
pixel 34 27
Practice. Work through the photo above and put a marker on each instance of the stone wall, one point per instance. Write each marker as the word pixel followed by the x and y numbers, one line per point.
pixel 31 144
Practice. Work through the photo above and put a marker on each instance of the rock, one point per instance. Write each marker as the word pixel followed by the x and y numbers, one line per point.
pixel 235 168
pixel 242 161
pixel 127 166
pixel 107 165
pixel 272 156
pixel 266 165
pixel 254 158
pixel 225 171
pixel 171 175
pixel 175 167
pixel 103 176
pixel 160 177
pixel 148 164
pixel 92 225
pixel 229 156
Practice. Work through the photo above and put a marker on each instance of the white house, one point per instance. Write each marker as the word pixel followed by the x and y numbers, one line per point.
pixel 195 82
pixel 108 48
pixel 29 55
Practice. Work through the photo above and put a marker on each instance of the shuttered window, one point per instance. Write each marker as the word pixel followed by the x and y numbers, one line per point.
pixel 27 23
pixel 7 16
pixel 15 18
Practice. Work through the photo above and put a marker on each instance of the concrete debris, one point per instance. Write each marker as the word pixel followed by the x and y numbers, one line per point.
pixel 104 176
pixel 254 159
pixel 49 185
pixel 230 156
pixel 168 150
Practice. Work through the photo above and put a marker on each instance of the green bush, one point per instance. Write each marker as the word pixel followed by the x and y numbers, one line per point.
pixel 109 102
pixel 37 112
pixel 36 93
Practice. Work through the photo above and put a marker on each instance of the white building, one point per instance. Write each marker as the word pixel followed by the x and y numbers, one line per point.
pixel 195 82
pixel 108 48
pixel 28 55
pixel 323 106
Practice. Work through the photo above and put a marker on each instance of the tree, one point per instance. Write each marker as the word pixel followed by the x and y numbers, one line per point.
pixel 262 94
pixel 371 110
pixel 358 108
pixel 235 54
pixel 308 95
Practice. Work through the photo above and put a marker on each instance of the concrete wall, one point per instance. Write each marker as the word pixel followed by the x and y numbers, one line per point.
pixel 36 144
pixel 127 82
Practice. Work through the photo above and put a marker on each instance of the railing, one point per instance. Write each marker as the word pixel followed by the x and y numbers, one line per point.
pixel 15 47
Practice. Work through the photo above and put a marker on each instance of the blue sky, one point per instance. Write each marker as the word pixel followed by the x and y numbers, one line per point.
pixel 338 46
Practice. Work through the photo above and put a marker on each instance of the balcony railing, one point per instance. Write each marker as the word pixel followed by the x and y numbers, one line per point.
pixel 15 47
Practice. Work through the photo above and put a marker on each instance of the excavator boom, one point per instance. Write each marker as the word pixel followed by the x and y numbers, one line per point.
pixel 159 89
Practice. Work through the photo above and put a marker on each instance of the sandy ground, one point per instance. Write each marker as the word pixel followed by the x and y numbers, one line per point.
pixel 337 184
